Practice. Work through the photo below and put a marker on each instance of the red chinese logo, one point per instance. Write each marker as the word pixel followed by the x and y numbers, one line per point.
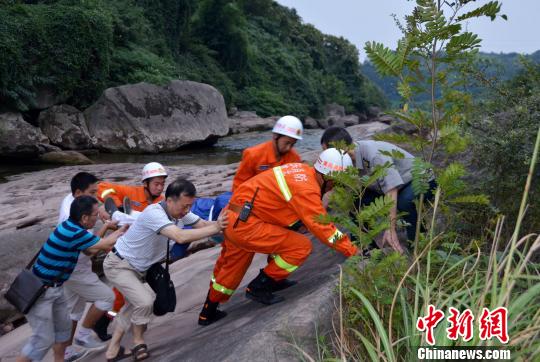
pixel 494 324
pixel 429 322
pixel 461 324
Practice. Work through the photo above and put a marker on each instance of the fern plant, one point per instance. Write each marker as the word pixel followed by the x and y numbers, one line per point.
pixel 433 35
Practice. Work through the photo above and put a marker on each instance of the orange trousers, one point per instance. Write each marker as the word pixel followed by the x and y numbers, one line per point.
pixel 119 301
pixel 289 250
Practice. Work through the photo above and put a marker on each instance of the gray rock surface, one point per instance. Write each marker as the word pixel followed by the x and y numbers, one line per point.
pixel 65 126
pixel 65 158
pixel 385 118
pixel 247 121
pixel 310 123
pixel 18 138
pixel 148 118
pixel 338 121
pixel 363 118
pixel 399 126
pixel 250 332
pixel 350 120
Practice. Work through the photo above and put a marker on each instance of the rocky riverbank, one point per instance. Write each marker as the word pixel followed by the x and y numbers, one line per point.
pixel 29 207
pixel 140 118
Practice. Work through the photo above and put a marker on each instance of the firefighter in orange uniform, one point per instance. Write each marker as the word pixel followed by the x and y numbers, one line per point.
pixel 150 192
pixel 276 152
pixel 281 197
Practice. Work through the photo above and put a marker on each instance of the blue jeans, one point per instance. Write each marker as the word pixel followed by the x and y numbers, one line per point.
pixel 405 203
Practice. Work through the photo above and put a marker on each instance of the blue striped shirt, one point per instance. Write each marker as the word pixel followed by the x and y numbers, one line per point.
pixel 59 254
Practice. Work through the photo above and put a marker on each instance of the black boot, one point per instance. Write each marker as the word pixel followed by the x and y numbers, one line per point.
pixel 260 290
pixel 101 327
pixel 210 314
pixel 282 284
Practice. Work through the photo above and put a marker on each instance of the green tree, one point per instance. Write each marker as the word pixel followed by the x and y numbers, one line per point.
pixel 382 313
pixel 504 139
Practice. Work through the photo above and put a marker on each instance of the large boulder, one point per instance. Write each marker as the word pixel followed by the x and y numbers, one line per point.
pixel 362 118
pixel 350 120
pixel 247 121
pixel 65 158
pixel 66 127
pixel 397 126
pixel 18 138
pixel 149 118
pixel 386 118
pixel 338 121
pixel 310 123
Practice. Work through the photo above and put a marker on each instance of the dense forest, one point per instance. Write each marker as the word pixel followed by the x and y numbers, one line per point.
pixel 259 54
pixel 489 66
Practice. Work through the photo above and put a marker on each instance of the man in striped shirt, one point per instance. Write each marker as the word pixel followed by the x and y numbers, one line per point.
pixel 49 317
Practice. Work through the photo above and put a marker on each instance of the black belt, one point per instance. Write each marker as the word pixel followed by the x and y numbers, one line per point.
pixel 53 284
pixel 117 253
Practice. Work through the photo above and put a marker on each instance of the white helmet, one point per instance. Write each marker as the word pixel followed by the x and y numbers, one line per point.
pixel 153 169
pixel 332 160
pixel 289 126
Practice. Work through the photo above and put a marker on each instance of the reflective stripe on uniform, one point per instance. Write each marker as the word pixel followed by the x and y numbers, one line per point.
pixel 284 265
pixel 220 288
pixel 335 236
pixel 107 192
pixel 282 183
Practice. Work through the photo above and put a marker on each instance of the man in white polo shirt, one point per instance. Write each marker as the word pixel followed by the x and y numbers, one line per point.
pixel 144 244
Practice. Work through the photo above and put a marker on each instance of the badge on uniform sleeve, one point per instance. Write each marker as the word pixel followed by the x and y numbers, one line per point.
pixel 264 167
pixel 135 203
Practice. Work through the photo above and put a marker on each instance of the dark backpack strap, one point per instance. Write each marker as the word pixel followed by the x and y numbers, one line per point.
pixel 167 259
pixel 33 259
pixel 164 206
pixel 29 265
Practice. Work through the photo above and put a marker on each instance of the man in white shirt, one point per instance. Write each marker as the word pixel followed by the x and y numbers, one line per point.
pixel 84 285
pixel 144 244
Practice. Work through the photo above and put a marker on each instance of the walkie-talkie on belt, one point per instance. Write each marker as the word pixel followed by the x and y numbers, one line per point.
pixel 246 209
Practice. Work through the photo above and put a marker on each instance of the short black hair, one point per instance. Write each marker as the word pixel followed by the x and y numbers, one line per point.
pixel 82 181
pixel 180 187
pixel 82 205
pixel 334 134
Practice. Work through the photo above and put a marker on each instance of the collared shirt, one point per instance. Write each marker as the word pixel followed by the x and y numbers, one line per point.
pixel 260 158
pixel 368 155
pixel 84 265
pixel 60 253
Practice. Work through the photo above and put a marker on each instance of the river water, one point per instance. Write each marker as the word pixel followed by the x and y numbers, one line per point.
pixel 227 150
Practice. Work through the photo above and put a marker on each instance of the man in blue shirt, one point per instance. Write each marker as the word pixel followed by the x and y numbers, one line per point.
pixel 49 317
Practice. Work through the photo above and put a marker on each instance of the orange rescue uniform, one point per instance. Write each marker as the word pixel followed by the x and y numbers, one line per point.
pixel 138 203
pixel 287 194
pixel 258 159
pixel 117 192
